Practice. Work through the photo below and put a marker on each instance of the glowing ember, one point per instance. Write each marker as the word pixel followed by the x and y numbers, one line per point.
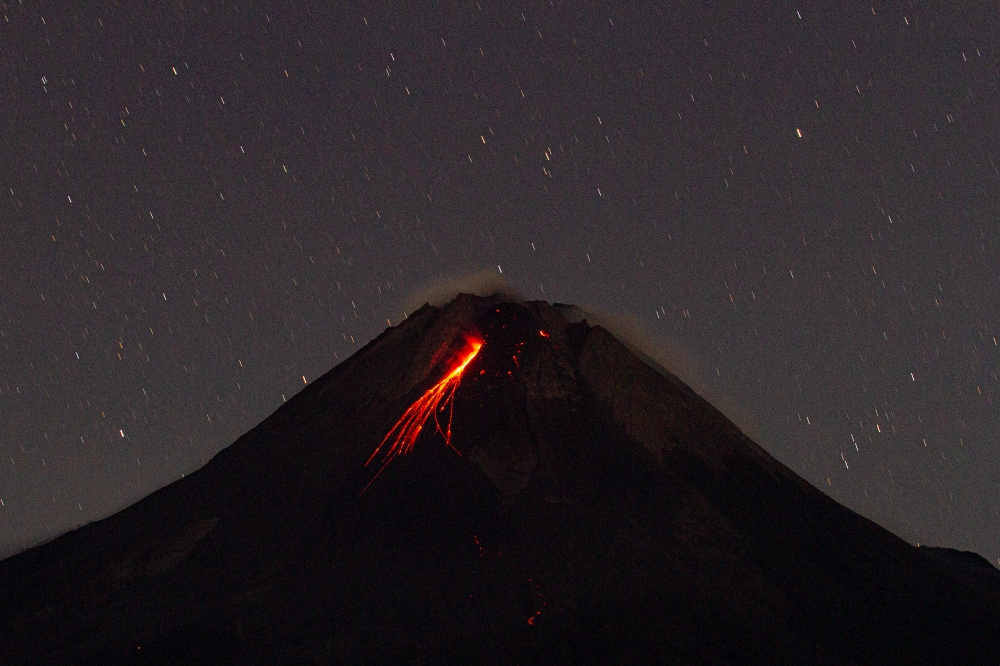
pixel 438 397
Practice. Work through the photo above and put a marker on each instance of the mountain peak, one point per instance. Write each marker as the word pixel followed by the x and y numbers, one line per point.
pixel 491 480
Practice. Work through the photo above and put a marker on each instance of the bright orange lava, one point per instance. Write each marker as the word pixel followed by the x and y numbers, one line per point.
pixel 404 434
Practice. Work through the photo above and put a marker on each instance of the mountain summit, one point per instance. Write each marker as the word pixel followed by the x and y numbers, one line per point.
pixel 492 482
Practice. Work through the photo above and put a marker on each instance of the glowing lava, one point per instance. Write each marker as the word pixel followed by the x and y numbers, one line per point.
pixel 438 397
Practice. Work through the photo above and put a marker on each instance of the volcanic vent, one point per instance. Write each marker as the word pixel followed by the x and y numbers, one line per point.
pixel 492 481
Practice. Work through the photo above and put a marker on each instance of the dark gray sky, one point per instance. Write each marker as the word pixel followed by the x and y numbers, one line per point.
pixel 205 205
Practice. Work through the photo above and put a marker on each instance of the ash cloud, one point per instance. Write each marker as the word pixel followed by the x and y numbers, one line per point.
pixel 440 291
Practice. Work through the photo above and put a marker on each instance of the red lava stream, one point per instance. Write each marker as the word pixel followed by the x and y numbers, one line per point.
pixel 435 400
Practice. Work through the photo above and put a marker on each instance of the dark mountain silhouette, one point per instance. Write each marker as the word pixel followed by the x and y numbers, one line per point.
pixel 971 569
pixel 589 509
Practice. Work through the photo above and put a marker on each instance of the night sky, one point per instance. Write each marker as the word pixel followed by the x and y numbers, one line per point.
pixel 206 205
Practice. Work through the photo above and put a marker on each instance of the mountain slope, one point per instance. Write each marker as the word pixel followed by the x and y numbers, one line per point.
pixel 589 510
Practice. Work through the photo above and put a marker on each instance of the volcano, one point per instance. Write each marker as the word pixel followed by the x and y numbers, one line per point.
pixel 494 482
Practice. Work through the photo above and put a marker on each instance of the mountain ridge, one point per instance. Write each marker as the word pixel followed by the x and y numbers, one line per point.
pixel 594 509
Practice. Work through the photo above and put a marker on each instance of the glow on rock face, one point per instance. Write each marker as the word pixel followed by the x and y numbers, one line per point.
pixel 436 399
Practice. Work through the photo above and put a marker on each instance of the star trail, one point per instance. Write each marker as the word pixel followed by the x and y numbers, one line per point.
pixel 206 205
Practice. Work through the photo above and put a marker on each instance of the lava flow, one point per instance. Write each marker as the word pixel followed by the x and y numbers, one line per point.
pixel 404 434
